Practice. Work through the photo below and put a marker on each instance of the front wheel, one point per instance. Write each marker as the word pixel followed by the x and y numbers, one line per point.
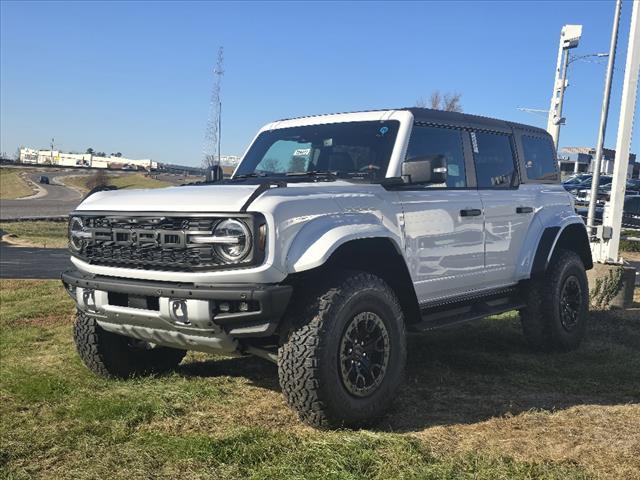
pixel 343 356
pixel 111 355
pixel 557 310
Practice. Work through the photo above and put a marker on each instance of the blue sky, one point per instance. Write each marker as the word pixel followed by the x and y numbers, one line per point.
pixel 136 77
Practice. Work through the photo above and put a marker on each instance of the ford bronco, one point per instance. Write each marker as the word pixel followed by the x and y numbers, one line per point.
pixel 335 236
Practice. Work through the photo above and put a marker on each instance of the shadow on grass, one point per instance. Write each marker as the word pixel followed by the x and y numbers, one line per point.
pixel 485 369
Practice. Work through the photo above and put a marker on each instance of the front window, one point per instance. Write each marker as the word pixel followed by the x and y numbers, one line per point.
pixel 346 150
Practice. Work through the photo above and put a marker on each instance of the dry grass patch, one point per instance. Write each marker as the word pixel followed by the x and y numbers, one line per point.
pixel 476 404
pixel 41 233
pixel 120 180
pixel 12 185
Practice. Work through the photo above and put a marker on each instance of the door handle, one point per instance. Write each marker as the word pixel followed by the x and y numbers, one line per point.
pixel 470 212
pixel 524 209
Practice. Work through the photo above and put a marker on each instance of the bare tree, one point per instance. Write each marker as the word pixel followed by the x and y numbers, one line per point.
pixel 210 160
pixel 449 102
pixel 99 179
pixel 452 102
pixel 435 100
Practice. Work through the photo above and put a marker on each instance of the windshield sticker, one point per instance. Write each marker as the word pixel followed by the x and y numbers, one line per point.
pixel 302 152
pixel 453 170
pixel 383 131
pixel 328 142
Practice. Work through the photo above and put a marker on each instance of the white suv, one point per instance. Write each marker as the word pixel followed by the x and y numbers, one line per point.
pixel 335 236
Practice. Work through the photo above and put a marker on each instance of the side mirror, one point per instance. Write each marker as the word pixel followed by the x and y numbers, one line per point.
pixel 429 169
pixel 214 174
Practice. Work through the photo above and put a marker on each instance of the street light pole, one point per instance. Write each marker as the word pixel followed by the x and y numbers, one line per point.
pixel 569 38
pixel 595 181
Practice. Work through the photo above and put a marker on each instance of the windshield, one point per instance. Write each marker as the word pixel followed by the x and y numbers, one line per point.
pixel 349 150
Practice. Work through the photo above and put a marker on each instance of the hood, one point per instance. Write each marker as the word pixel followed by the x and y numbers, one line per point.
pixel 197 198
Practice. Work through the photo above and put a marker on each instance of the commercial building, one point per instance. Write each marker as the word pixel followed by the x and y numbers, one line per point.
pixel 581 159
pixel 64 159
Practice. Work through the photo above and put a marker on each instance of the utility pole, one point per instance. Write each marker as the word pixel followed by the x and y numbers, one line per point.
pixel 613 211
pixel 569 38
pixel 595 181
pixel 52 144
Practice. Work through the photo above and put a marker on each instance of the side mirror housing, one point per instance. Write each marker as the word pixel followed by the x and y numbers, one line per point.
pixel 214 174
pixel 429 169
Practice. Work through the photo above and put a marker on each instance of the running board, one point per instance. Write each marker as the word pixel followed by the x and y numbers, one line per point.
pixel 457 314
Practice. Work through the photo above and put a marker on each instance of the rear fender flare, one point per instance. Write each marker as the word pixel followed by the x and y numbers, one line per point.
pixel 546 228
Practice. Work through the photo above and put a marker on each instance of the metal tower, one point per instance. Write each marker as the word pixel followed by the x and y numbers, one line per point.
pixel 212 141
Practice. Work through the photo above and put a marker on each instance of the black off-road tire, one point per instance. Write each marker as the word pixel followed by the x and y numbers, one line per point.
pixel 116 356
pixel 542 319
pixel 309 356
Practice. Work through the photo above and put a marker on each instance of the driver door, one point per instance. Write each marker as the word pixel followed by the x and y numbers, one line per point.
pixel 443 223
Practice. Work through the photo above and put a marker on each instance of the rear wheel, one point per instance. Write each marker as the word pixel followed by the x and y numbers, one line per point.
pixel 112 355
pixel 343 356
pixel 557 305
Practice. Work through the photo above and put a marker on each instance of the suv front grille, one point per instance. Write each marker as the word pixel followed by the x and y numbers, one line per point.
pixel 151 242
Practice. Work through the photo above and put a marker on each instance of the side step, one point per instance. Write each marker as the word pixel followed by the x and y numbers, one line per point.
pixel 463 312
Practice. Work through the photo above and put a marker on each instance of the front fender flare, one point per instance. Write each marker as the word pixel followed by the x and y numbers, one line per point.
pixel 318 239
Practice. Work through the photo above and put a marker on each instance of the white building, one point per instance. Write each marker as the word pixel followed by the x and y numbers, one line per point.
pixel 229 160
pixel 64 159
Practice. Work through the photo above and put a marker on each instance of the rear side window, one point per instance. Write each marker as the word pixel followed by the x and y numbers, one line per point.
pixel 440 141
pixel 493 156
pixel 539 159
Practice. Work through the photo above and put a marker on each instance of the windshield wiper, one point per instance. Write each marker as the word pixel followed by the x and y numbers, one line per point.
pixel 313 173
pixel 250 175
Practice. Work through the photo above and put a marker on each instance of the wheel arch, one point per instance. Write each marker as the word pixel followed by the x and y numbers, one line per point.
pixel 380 256
pixel 571 236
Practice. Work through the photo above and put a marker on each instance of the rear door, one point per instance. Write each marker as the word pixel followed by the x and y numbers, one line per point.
pixel 443 223
pixel 508 209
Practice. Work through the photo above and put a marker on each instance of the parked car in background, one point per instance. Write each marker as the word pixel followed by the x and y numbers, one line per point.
pixel 630 212
pixel 583 197
pixel 575 180
pixel 586 185
pixel 44 179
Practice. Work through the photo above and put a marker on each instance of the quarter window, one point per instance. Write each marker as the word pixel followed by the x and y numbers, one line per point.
pixel 440 141
pixel 539 159
pixel 494 159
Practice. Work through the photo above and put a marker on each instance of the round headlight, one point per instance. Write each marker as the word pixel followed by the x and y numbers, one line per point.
pixel 75 226
pixel 235 240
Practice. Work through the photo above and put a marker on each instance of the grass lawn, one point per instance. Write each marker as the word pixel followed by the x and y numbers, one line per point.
pixel 476 404
pixel 38 233
pixel 126 180
pixel 12 185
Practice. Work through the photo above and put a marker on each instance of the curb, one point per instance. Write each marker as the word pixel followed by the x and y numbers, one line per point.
pixel 39 191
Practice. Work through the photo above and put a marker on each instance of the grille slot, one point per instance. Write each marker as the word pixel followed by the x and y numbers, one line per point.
pixel 159 243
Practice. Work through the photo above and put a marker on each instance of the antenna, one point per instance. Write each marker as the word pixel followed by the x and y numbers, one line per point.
pixel 212 140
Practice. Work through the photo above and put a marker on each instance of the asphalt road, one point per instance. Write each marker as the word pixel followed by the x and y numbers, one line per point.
pixel 24 262
pixel 59 200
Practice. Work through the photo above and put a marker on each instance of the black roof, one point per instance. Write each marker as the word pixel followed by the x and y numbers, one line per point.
pixel 477 121
pixel 429 115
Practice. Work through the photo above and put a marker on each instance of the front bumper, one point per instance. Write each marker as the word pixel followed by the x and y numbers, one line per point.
pixel 190 316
